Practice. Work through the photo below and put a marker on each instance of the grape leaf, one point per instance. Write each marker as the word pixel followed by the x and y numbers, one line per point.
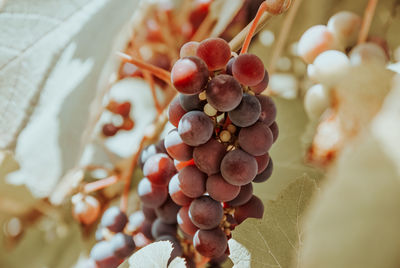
pixel 63 67
pixel 274 240
pixel 354 221
pixel 154 255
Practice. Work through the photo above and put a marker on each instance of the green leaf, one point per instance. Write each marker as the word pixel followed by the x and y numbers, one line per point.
pixel 355 220
pixel 272 241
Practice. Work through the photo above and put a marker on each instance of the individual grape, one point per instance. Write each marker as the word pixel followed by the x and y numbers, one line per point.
pixel 345 26
pixel 195 128
pixel 167 211
pixel 381 42
pixel 98 235
pixel 189 49
pixel 263 176
pixel 367 53
pixel 146 153
pixel 254 208
pixel 114 219
pixel 229 66
pixel 135 222
pixel 246 192
pixel 205 212
pixel 260 87
pixel 176 148
pixel 185 223
pixel 191 102
pixel 103 254
pixel 109 130
pixel 145 229
pixel 275 131
pixel 314 41
pixel 175 112
pixel 248 69
pixel 189 75
pixel 217 261
pixel 330 66
pixel 150 194
pixel 149 213
pixel 224 93
pixel 159 169
pixel 247 113
pixel 256 139
pixel 208 156
pixel 161 228
pixel 238 167
pixel 192 181
pixel 215 52
pixel 86 209
pixel 122 245
pixel 176 193
pixel 268 109
pixel 220 190
pixel 262 162
pixel 210 243
pixel 316 100
pixel 177 248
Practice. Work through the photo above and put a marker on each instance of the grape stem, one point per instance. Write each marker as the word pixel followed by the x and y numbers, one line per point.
pixel 156 71
pixel 261 10
pixel 366 24
pixel 101 184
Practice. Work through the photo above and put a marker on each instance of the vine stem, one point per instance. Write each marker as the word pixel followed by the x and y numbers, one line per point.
pixel 101 184
pixel 283 35
pixel 367 20
pixel 156 71
pixel 261 10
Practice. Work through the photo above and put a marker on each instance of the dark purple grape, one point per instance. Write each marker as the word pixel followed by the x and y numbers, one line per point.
pixel 238 167
pixel 175 112
pixel 205 212
pixel 114 219
pixel 159 169
pixel 246 192
pixel 220 190
pixel 160 228
pixel 195 128
pixel 208 156
pixel 145 229
pixel 260 87
pixel 185 223
pixel 275 131
pixel 151 195
pixel 192 181
pixel 176 245
pixel 149 213
pixel 215 52
pixel 256 139
pixel 210 243
pixel 229 66
pixel 176 148
pixel 266 174
pixel 189 75
pixel 122 245
pixel 254 208
pixel 224 93
pixel 262 162
pixel 176 194
pixel 103 254
pixel 191 102
pixel 167 211
pixel 248 69
pixel 268 110
pixel 247 113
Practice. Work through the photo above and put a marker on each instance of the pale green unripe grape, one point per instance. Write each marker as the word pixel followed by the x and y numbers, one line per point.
pixel 345 26
pixel 316 100
pixel 367 53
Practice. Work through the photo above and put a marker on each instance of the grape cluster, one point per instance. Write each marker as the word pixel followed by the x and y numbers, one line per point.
pixel 199 184
pixel 121 110
pixel 115 243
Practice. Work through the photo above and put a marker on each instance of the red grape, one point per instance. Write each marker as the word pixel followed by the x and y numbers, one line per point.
pixel 248 69
pixel 256 139
pixel 195 128
pixel 238 167
pixel 224 93
pixel 210 243
pixel 151 195
pixel 159 169
pixel 254 208
pixel 208 156
pixel 221 190
pixel 247 113
pixel 215 52
pixel 192 181
pixel 205 212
